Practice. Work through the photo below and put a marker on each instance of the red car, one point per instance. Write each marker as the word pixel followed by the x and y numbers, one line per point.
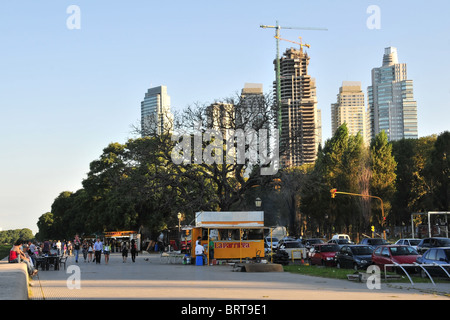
pixel 390 254
pixel 323 254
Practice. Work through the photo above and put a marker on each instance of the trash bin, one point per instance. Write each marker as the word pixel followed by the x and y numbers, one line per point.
pixel 199 261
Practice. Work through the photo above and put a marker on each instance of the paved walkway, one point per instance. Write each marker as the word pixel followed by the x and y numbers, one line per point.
pixel 148 278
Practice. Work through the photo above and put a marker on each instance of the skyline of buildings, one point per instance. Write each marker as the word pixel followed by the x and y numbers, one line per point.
pixel 390 107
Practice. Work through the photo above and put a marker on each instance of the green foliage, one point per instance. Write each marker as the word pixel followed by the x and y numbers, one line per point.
pixel 11 236
pixel 383 166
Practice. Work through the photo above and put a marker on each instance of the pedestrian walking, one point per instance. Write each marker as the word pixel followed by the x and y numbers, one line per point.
pixel 58 247
pixel 106 251
pixel 124 252
pixel 84 249
pixel 98 247
pixel 90 251
pixel 133 250
pixel 76 247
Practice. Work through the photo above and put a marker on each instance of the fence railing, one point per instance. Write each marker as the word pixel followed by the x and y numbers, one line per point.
pixel 418 265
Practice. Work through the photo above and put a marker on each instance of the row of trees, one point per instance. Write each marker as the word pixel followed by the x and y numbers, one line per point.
pixel 409 175
pixel 138 185
pixel 11 236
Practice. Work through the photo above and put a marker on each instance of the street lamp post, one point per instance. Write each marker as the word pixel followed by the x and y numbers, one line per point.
pixel 179 216
pixel 258 203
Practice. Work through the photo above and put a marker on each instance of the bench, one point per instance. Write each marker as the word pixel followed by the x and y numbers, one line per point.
pixel 63 261
pixel 171 257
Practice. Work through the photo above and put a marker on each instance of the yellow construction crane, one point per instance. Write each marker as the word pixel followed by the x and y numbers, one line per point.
pixel 299 43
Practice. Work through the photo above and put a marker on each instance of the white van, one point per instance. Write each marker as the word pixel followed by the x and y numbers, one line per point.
pixel 341 236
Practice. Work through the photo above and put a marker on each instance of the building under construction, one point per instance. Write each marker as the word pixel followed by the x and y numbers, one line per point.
pixel 300 118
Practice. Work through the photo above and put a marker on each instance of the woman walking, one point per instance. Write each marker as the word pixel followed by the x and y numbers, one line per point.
pixel 124 252
pixel 133 250
pixel 90 251
pixel 106 251
pixel 85 250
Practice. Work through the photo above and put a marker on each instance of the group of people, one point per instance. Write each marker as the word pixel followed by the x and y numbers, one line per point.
pixel 25 253
pixel 92 251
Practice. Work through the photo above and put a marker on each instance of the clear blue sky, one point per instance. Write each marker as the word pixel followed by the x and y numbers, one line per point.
pixel 66 94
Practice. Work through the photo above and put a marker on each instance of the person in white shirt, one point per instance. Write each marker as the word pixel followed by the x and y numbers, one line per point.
pixel 200 251
pixel 58 247
pixel 98 247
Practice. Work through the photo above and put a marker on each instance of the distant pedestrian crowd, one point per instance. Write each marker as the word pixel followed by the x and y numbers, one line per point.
pixel 91 250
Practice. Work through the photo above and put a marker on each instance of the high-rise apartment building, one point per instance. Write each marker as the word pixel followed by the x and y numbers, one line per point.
pixel 300 130
pixel 156 117
pixel 350 108
pixel 250 113
pixel 391 104
pixel 220 116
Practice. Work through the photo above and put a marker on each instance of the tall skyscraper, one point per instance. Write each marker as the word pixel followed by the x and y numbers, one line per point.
pixel 350 108
pixel 391 105
pixel 300 130
pixel 156 117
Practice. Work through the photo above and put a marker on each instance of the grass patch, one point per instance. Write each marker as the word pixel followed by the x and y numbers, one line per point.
pixel 4 250
pixel 318 271
pixel 335 273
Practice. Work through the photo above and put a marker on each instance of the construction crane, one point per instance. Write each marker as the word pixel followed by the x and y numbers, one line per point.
pixel 277 28
pixel 299 43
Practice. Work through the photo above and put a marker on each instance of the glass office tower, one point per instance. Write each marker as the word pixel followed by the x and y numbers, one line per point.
pixel 391 104
pixel 156 117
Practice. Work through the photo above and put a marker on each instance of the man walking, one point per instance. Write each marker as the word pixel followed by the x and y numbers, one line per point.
pixel 98 247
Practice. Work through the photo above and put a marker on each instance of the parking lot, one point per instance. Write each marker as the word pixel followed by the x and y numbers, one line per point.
pixel 428 258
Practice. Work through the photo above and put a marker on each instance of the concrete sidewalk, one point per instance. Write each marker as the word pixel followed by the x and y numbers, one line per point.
pixel 149 278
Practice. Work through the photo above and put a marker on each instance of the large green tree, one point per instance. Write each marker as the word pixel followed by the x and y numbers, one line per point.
pixel 382 185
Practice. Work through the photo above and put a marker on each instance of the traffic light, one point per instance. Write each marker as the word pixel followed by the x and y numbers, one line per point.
pixel 372 228
pixel 333 193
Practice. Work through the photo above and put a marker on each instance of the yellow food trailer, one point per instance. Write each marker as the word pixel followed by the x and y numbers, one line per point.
pixel 232 234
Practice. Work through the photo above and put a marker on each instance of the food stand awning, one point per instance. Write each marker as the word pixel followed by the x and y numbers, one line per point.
pixel 214 219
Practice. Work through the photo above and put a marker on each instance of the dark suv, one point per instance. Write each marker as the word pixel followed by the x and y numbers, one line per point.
pixel 374 242
pixel 433 242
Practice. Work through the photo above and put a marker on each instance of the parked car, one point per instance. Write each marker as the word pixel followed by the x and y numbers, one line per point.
pixel 354 256
pixel 324 254
pixel 435 256
pixel 271 242
pixel 340 242
pixel 409 242
pixel 293 248
pixel 391 254
pixel 374 242
pixel 310 243
pixel 341 236
pixel 284 240
pixel 433 242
